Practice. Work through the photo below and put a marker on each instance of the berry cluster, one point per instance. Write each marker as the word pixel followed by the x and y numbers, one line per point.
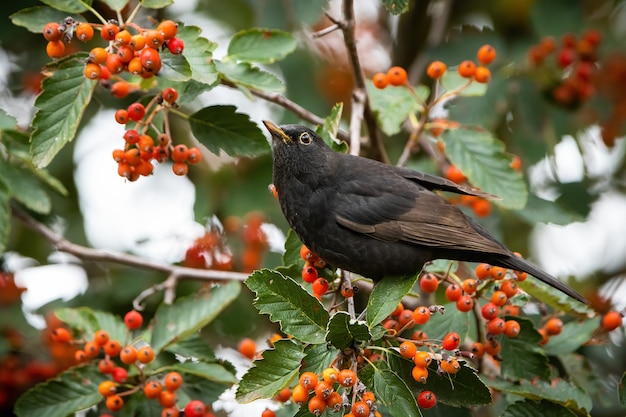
pixel 140 150
pixel 573 66
pixel 468 69
pixel 115 360
pixel 310 274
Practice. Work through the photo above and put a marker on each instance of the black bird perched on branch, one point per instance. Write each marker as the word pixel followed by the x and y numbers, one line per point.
pixel 375 219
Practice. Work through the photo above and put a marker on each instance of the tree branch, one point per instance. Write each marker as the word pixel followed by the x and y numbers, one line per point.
pixel 121 258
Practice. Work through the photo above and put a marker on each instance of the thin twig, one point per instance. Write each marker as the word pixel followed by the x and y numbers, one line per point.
pixel 356 119
pixel 325 31
pixel 99 255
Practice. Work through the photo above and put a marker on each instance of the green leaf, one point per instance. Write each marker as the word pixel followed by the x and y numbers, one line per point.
pixel 554 297
pixel 318 357
pixel 87 322
pixel 198 52
pixel 222 128
pixel 534 408
pixel 621 390
pixel 7 122
pixel 343 332
pixel 396 6
pixel 193 347
pixel 523 357
pixel 291 255
pixel 111 323
pixel 198 388
pixel 73 390
pixel 556 390
pixel 60 107
pixel 299 313
pixel 392 105
pixel 175 67
pixel 68 6
pixel 574 335
pixel 116 5
pixel 156 4
pixel 451 81
pixel 244 74
pixel 260 45
pixel 25 187
pixel 386 295
pixel 5 216
pixel 212 371
pixel 390 390
pixel 277 368
pixel 35 18
pixel 481 157
pixel 329 130
pixel 538 210
pixel 452 320
pixel 177 321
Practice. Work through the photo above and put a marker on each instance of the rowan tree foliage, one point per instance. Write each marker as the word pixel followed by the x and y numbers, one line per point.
pixel 478 92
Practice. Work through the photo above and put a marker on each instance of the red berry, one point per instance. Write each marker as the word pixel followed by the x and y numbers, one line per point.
pixel 464 303
pixel 133 319
pixel 170 95
pixel 195 408
pixel 429 283
pixel 565 57
pixel 490 311
pixel 453 292
pixel 176 46
pixel 436 69
pixel 397 76
pixel 611 321
pixel 451 341
pixel 136 112
pixel 320 286
pixel 119 374
pixel 380 80
pixel 309 274
pixel 426 399
pixel 109 31
pixel 486 54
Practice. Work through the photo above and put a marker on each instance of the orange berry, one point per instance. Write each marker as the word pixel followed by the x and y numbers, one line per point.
pixel 453 292
pixel 486 54
pixel 611 321
pixel 469 286
pixel 114 403
pixel 398 310
pixel 408 349
pixel 308 380
pixel 419 335
pixel 511 328
pixel 429 283
pixel 380 80
pixel 334 401
pixel 133 320
pixel 154 39
pixel 450 365
pixel 436 69
pixel 451 341
pixel 180 153
pixel 320 286
pixel 150 58
pixel 490 311
pixel 120 89
pixel 347 378
pixel 465 303
pixel 454 174
pixel 510 310
pixel 170 412
pixel 247 347
pixel 106 366
pixel 496 326
pixel 499 298
pixel 109 31
pixel 114 64
pixel 466 69
pixel 107 388
pixel 168 28
pixel 61 335
pixel 145 354
pixel 397 76
pixel 180 169
pixel 323 389
pixel 173 381
pixel 509 287
pixel 266 413
pixel 482 207
pixel 52 32
pixel 419 374
pixel 91 349
pixel 300 395
pixel 405 317
pixel 167 398
pixel 128 355
pixel 554 326
pixel 360 409
pixel 516 163
pixel 497 272
pixel 123 37
pixel 152 389
pixel 421 315
pixel 98 55
pixel 482 74
pixel 283 395
pixel 55 49
pixel 125 53
pixel 317 405
pixel 101 337
pixel 80 356
pixel 545 337
pixel 478 349
pixel 493 347
pixel 422 359
pixel 135 67
pixel 84 32
pixel 482 271
pixel 92 71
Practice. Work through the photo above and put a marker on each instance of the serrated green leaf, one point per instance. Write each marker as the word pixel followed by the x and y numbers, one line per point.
pixel 328 131
pixel 193 347
pixel 554 298
pixel 138 406
pixel 522 356
pixel 60 107
pixel 73 390
pixel 557 391
pixel 299 313
pixel 386 296
pixel 451 81
pixel 7 122
pixel 177 321
pixel 392 105
pixel 390 390
pixel 277 368
pixel 292 250
pixel 156 4
pixel 25 187
pixel 175 67
pixel 396 6
pixel 80 319
pixel 116 5
pixel 535 408
pixel 452 320
pixel 318 357
pixel 481 157
pixel 213 371
pixel 68 6
pixel 5 216
pixel 344 332
pixel 111 323
pixel 222 128
pixel 244 74
pixel 198 388
pixel 573 336
pixel 198 52
pixel 260 45
pixel 35 18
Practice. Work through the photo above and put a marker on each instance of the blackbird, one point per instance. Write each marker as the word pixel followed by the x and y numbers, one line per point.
pixel 375 219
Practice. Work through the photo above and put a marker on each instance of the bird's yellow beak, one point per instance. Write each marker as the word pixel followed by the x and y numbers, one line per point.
pixel 277 132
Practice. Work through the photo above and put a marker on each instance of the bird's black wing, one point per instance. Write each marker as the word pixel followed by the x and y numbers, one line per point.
pixel 433 182
pixel 390 207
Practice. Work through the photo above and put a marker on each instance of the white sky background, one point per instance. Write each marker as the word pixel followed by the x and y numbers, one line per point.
pixel 163 203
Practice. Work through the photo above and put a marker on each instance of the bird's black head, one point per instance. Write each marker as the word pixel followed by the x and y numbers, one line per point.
pixel 296 137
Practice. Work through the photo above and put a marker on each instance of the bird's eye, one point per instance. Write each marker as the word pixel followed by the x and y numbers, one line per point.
pixel 305 138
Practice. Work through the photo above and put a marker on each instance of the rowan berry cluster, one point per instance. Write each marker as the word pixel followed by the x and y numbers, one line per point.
pixel 468 69
pixel 574 64
pixel 310 274
pixel 115 360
